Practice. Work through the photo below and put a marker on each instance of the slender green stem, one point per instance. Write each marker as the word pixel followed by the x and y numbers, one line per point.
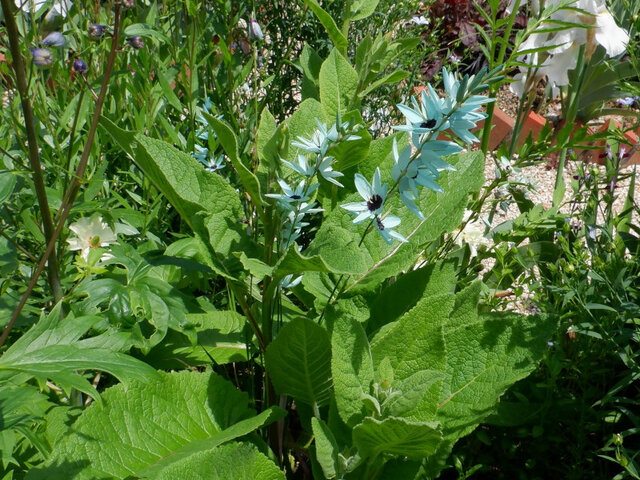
pixel 486 131
pixel 32 140
pixel 19 247
pixel 581 68
pixel 74 187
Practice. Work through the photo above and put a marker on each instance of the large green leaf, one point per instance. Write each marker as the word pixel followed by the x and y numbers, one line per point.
pixel 326 447
pixel 414 440
pixel 362 9
pixel 150 427
pixel 205 200
pixel 485 355
pixel 333 250
pixel 216 334
pixel 310 62
pixel 299 362
pixel 403 294
pixel 338 84
pixel 233 461
pixel 352 368
pixel 51 350
pixel 20 405
pixel 413 344
pixel 229 142
pixel 329 24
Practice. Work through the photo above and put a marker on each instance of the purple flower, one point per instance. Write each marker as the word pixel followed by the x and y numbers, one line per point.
pixel 128 3
pixel 136 42
pixel 41 56
pixel 96 31
pixel 627 101
pixel 79 66
pixel 54 39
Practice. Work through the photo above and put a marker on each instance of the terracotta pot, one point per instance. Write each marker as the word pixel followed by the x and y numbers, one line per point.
pixel 534 123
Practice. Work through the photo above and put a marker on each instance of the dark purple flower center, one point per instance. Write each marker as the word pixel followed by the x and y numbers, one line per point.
pixel 380 224
pixel 428 124
pixel 374 203
pixel 295 197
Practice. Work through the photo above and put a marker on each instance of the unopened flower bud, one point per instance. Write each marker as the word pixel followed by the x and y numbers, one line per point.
pixel 255 32
pixel 136 42
pixel 80 66
pixel 41 56
pixel 54 39
pixel 96 31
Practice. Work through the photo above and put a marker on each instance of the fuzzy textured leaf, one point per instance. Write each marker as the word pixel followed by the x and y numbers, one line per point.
pixel 329 24
pixel 352 368
pixel 362 9
pixel 414 440
pixel 485 356
pixel 326 447
pixel 338 84
pixel 205 200
pixel 146 424
pixel 233 461
pixel 299 362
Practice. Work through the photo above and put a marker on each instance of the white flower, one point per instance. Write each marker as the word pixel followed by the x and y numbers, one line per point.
pixel 92 233
pixel 420 20
pixel 59 7
pixel 472 234
pixel 596 26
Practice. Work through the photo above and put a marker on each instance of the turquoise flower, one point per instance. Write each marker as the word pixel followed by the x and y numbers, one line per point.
pixel 409 174
pixel 290 195
pixel 374 195
pixel 319 141
pixel 385 228
pixel 326 170
pixel 292 223
pixel 302 167
pixel 431 154
pixel 426 116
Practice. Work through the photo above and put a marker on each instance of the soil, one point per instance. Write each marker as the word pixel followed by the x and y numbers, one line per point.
pixel 543 177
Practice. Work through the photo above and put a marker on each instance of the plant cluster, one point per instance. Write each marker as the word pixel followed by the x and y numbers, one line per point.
pixel 233 245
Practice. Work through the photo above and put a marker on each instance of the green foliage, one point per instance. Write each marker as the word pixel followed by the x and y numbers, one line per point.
pixel 206 411
pixel 372 357
pixel 232 461
pixel 338 84
pixel 298 361
pixel 50 350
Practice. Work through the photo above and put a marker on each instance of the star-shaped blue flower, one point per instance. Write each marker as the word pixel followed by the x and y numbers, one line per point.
pixel 374 195
pixel 385 228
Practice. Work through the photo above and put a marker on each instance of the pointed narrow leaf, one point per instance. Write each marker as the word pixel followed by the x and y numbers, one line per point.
pixel 326 448
pixel 329 24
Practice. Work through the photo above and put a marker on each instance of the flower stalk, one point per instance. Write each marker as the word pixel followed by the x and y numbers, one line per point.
pixel 74 186
pixel 32 142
